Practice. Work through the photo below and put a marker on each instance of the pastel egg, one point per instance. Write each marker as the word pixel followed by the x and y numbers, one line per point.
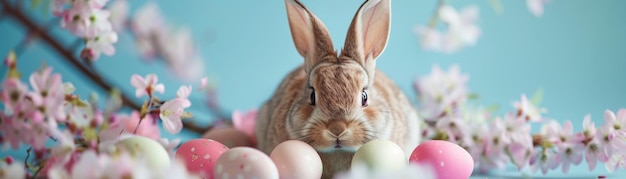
pixel 229 136
pixel 146 148
pixel 447 159
pixel 245 162
pixel 297 159
pixel 200 155
pixel 380 154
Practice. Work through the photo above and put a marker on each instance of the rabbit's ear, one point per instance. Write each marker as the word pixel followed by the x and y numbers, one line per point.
pixel 368 32
pixel 309 34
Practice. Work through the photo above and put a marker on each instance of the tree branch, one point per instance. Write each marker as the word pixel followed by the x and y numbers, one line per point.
pixel 55 44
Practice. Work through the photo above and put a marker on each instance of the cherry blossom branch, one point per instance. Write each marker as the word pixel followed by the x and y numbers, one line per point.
pixel 22 18
pixel 27 156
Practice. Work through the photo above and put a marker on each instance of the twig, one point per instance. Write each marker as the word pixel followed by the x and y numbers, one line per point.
pixel 27 156
pixel 2 16
pixel 435 16
pixel 32 36
pixel 22 18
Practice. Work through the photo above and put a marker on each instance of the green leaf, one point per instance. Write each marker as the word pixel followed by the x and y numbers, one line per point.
pixel 473 96
pixel 497 6
pixel 492 108
pixel 537 97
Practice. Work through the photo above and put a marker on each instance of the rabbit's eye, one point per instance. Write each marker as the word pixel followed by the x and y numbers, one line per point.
pixel 363 98
pixel 312 100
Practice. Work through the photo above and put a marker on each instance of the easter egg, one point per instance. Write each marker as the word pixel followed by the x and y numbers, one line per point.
pixel 146 148
pixel 447 159
pixel 245 162
pixel 380 154
pixel 229 136
pixel 200 155
pixel 296 159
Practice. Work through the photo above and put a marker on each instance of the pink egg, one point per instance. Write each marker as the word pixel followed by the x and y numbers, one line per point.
pixel 200 155
pixel 245 162
pixel 448 159
pixel 296 159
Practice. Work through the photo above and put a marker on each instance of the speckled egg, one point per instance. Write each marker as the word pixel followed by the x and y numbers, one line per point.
pixel 138 146
pixel 296 159
pixel 200 155
pixel 448 159
pixel 245 162
pixel 380 154
pixel 229 136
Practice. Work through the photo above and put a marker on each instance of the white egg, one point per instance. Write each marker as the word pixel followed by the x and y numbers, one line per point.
pixel 153 152
pixel 380 154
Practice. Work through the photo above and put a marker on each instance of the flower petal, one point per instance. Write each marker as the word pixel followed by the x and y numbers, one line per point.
pixel 138 82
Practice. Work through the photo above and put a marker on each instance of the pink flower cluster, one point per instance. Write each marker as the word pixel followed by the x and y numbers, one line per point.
pixel 155 39
pixel 496 141
pixel 461 28
pixel 65 132
pixel 89 21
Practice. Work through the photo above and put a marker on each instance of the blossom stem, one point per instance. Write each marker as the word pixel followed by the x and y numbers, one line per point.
pixel 435 16
pixel 142 116
pixel 67 55
pixel 27 156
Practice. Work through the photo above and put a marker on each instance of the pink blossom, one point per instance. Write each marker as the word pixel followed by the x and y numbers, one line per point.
pixel 245 122
pixel 497 142
pixel 57 6
pixel 431 39
pixel 521 153
pixel 119 12
pixel 547 159
pixel 570 146
pixel 453 127
pixel 149 29
pixel 171 113
pixel 617 160
pixel 441 92
pixel 13 92
pixel 88 166
pixel 169 145
pixel 184 92
pixel 589 127
pixel 146 20
pixel 462 30
pixel 619 125
pixel 48 95
pixel 462 27
pixel 475 138
pixel 203 83
pixel 94 4
pixel 147 128
pixel 412 170
pixel 86 22
pixel 39 133
pixel 13 131
pixel 608 141
pixel 528 110
pixel 173 110
pixel 102 43
pixel 14 170
pixel 146 86
pixel 536 6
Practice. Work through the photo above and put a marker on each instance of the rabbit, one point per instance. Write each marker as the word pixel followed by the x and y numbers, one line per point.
pixel 336 102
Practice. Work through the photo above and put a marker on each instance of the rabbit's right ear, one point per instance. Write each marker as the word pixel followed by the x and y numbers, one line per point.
pixel 309 34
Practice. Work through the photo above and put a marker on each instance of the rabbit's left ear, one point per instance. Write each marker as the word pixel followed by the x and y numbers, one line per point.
pixel 368 32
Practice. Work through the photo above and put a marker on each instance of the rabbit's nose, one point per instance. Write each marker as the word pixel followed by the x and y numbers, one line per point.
pixel 337 128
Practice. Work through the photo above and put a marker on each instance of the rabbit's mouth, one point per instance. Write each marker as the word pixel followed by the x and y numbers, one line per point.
pixel 338 145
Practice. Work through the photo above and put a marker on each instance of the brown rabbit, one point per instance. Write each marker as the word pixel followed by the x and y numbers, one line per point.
pixel 336 103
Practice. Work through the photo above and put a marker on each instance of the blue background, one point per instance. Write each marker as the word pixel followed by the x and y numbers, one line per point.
pixel 575 53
